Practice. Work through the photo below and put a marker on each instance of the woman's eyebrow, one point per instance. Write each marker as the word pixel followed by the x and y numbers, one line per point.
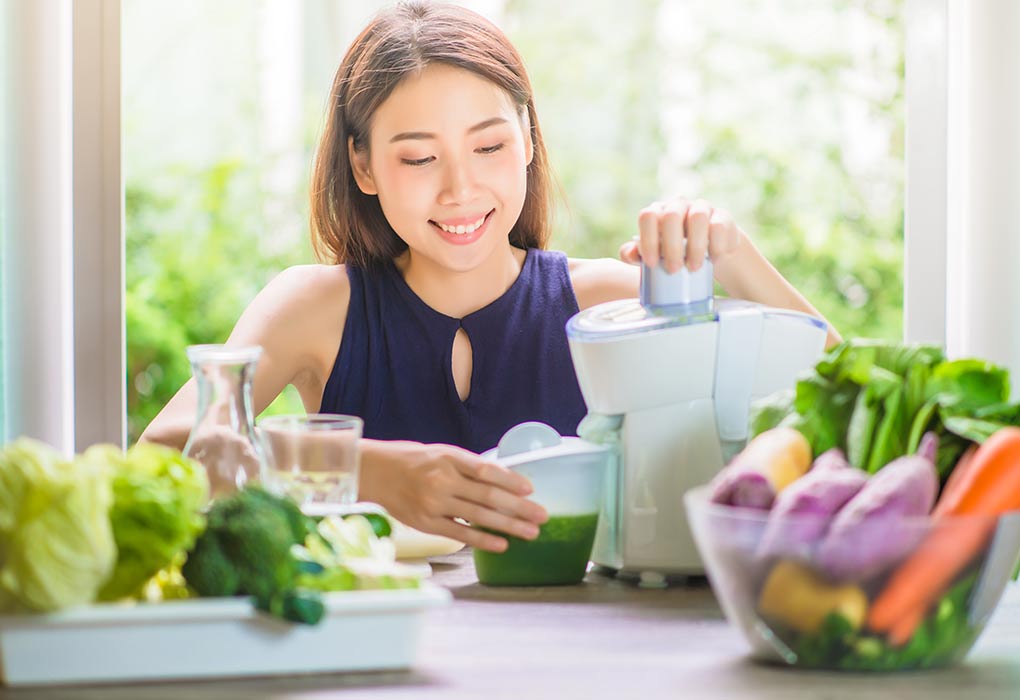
pixel 420 135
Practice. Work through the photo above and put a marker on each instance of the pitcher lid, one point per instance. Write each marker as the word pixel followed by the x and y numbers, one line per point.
pixel 534 441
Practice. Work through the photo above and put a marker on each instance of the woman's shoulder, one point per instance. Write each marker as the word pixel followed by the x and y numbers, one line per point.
pixel 598 280
pixel 312 280
pixel 305 294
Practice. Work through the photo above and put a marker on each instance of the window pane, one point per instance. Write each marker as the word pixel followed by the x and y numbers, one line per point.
pixel 216 155
pixel 788 113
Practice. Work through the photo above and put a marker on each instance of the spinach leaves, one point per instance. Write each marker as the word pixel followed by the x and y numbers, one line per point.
pixel 875 399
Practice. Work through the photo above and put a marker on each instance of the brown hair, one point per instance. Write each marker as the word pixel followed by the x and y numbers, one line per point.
pixel 348 226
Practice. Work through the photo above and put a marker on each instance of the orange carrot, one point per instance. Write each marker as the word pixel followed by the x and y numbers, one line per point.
pixel 904 629
pixel 952 492
pixel 989 485
pixel 922 578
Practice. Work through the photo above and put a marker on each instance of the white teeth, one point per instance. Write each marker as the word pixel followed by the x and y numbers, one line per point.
pixel 461 230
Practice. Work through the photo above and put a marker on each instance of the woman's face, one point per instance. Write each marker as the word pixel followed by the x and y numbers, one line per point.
pixel 448 157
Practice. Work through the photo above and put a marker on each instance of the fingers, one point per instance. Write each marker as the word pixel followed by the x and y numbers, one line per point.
pixel 648 235
pixel 675 232
pixel 470 536
pixel 724 235
pixel 480 516
pixel 490 473
pixel 629 252
pixel 492 496
pixel 671 237
pixel 699 216
pixel 505 503
pixel 453 484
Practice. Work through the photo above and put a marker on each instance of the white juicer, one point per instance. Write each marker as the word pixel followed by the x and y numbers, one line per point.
pixel 669 378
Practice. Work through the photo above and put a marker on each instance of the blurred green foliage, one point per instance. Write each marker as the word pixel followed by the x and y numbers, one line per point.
pixel 198 250
pixel 193 264
pixel 773 120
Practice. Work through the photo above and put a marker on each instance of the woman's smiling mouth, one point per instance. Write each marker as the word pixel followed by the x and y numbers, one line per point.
pixel 463 230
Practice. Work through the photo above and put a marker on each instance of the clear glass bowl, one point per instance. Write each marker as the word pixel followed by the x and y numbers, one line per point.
pixel 783 596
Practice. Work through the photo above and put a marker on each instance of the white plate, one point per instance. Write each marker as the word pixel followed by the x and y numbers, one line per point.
pixel 213 637
pixel 417 545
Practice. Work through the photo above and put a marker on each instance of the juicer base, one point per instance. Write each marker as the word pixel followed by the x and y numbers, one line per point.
pixel 651 578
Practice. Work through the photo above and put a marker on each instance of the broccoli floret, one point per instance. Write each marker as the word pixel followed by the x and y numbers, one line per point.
pixel 301 605
pixel 300 524
pixel 208 571
pixel 246 550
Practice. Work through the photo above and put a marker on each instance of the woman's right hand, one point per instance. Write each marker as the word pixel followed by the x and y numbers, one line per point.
pixel 434 487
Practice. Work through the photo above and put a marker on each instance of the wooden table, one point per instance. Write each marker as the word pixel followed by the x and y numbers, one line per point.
pixel 604 638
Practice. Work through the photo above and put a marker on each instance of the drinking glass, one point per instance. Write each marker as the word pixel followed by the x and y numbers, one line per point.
pixel 314 459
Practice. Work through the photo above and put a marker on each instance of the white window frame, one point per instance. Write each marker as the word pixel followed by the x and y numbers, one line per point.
pixel 963 179
pixel 924 273
pixel 100 393
pixel 63 238
pixel 38 325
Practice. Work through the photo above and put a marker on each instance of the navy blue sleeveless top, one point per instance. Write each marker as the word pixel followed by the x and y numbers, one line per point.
pixel 394 366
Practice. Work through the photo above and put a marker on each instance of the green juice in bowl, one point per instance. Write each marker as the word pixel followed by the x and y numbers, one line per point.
pixel 558 556
pixel 567 474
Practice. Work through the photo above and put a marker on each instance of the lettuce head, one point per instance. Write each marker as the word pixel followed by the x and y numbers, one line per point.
pixel 56 543
pixel 158 495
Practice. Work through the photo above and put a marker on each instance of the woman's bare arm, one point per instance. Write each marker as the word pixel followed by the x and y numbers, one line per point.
pixel 747 274
pixel 298 321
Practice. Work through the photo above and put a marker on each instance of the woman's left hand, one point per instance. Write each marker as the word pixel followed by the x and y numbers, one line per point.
pixel 680 232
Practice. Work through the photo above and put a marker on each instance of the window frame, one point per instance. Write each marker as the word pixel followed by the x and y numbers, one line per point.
pixel 63 231
pixel 100 393
pixel 962 234
pixel 926 162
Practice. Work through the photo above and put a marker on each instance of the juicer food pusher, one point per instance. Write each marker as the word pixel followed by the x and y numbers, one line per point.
pixel 669 378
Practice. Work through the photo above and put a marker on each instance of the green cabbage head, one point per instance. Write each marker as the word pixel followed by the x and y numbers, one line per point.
pixel 56 543
pixel 158 495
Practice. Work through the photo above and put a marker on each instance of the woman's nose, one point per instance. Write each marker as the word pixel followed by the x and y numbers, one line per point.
pixel 458 183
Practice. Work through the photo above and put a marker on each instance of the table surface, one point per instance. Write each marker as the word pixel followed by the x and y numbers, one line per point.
pixel 602 638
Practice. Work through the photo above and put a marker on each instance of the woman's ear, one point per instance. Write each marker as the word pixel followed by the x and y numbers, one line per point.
pixel 359 165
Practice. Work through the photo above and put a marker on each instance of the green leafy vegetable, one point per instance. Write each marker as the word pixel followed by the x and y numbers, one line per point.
pixel 56 544
pixel 245 550
pixel 381 525
pixel 157 497
pixel 875 399
pixel 351 555
pixel 262 545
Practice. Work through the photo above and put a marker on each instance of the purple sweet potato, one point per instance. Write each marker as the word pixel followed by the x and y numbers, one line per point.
pixel 742 486
pixel 869 534
pixel 770 462
pixel 802 511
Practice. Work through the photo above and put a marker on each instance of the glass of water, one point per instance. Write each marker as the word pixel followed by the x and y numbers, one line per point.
pixel 314 459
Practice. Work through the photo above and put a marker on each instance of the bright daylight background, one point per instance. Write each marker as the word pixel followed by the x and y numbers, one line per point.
pixel 789 113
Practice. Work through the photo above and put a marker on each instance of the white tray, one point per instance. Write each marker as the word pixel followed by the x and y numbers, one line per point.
pixel 213 637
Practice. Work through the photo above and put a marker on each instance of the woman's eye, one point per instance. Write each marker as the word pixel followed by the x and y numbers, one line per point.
pixel 417 161
pixel 490 149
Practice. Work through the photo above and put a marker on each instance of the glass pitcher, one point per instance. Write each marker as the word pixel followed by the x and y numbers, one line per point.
pixel 223 438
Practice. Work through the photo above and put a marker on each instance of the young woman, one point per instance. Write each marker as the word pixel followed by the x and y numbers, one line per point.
pixel 438 315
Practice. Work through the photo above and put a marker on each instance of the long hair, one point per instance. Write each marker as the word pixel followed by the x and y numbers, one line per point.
pixel 347 225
